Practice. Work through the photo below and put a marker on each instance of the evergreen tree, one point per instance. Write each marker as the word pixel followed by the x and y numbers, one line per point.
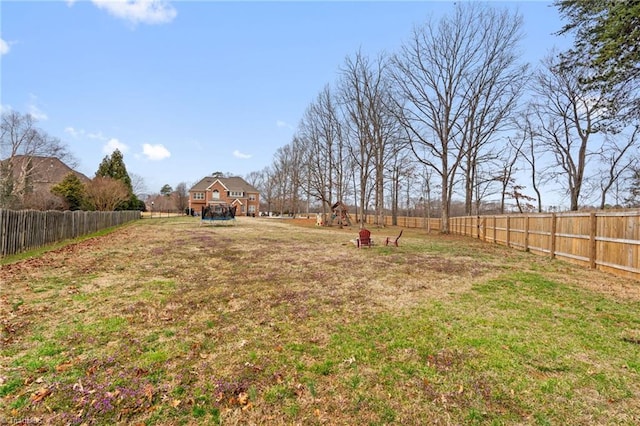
pixel 606 41
pixel 113 167
pixel 166 190
pixel 607 32
pixel 72 190
pixel 634 190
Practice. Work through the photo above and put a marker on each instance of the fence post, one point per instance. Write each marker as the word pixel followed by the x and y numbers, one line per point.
pixel 484 228
pixel 508 230
pixel 495 237
pixel 592 240
pixel 552 243
pixel 526 232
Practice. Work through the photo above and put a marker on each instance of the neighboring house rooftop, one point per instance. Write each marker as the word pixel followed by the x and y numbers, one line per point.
pixel 44 171
pixel 234 183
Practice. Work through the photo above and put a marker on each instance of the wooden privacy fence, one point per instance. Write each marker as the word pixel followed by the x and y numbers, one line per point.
pixel 432 224
pixel 608 241
pixel 22 230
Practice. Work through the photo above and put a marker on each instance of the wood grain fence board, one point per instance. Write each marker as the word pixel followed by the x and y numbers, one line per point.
pixel 609 241
pixel 24 230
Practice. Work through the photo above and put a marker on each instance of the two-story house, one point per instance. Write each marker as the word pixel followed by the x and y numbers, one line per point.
pixel 217 191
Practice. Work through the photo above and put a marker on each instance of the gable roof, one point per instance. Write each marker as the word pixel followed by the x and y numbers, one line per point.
pixel 45 171
pixel 234 183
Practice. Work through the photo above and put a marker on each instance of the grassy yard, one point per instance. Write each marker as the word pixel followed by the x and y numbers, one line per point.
pixel 276 322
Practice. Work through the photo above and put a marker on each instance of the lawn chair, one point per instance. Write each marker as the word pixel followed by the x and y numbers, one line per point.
pixel 364 238
pixel 391 240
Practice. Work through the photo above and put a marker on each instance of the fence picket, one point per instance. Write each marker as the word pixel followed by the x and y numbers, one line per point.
pixel 22 230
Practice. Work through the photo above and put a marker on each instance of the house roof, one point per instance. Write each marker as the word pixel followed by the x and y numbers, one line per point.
pixel 234 183
pixel 45 171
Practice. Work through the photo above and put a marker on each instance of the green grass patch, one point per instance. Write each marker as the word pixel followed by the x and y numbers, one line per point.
pixel 266 323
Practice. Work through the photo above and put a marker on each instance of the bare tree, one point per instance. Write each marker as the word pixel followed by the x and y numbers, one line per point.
pixel 287 177
pixel 262 181
pixel 617 159
pixel 324 151
pixel 494 87
pixel 255 178
pixel 528 151
pixel 106 194
pixel 507 160
pixel 372 130
pixel 20 140
pixel 138 185
pixel 568 115
pixel 633 199
pixel 401 170
pixel 181 197
pixel 458 81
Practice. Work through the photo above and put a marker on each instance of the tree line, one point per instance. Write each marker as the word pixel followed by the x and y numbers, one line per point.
pixel 455 118
pixel 454 122
pixel 26 149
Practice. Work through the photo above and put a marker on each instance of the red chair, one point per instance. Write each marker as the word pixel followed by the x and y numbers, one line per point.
pixel 364 238
pixel 393 241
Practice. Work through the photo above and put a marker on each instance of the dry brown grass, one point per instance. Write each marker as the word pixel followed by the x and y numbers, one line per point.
pixel 238 324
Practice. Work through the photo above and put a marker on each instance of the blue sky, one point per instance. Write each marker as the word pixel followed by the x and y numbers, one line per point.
pixel 186 88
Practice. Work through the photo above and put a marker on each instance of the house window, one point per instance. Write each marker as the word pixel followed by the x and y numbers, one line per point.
pixel 252 209
pixel 198 196
pixel 235 193
pixel 215 194
pixel 252 197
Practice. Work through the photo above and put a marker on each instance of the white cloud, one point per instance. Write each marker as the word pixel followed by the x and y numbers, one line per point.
pixel 98 136
pixel 73 132
pixel 114 144
pixel 284 124
pixel 155 152
pixel 5 108
pixel 4 47
pixel 81 133
pixel 34 110
pixel 139 11
pixel 238 154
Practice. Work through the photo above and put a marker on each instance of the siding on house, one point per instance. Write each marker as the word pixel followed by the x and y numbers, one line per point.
pixel 230 191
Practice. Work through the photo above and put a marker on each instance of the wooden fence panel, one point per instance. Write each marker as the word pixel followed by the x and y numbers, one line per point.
pixel 609 241
pixel 24 230
pixel 617 243
pixel 572 238
pixel 540 233
pixel 517 232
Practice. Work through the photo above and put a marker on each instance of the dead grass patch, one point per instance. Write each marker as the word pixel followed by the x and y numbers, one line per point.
pixel 279 322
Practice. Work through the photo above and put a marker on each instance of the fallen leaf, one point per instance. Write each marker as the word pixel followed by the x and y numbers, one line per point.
pixel 40 394
pixel 141 372
pixel 243 398
pixel 148 391
pixel 64 366
pixel 175 403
